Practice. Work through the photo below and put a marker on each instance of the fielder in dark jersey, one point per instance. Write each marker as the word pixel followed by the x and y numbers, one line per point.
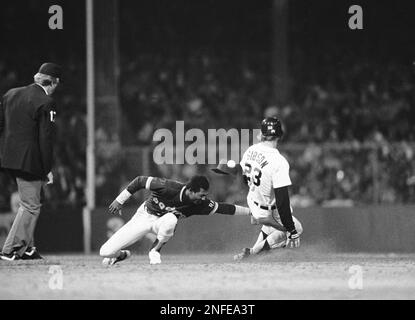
pixel 169 201
pixel 168 196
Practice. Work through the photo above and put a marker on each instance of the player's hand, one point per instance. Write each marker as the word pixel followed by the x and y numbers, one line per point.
pixel 293 240
pixel 115 208
pixel 50 178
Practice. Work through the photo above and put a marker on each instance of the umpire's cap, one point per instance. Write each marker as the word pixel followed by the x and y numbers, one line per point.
pixel 227 167
pixel 271 127
pixel 51 69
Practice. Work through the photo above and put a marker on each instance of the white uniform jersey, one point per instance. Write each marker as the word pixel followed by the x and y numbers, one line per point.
pixel 266 169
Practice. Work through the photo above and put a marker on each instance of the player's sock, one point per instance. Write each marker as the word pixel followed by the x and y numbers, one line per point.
pixel 157 245
pixel 122 255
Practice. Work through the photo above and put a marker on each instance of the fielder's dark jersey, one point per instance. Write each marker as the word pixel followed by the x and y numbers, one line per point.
pixel 168 196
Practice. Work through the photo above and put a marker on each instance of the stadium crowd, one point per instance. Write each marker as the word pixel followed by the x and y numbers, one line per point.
pixel 359 114
pixel 349 123
pixel 367 119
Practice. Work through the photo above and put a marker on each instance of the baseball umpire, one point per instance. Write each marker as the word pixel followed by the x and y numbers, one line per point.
pixel 27 125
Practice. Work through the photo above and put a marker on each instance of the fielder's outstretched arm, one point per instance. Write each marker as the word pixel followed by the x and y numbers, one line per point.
pixel 232 209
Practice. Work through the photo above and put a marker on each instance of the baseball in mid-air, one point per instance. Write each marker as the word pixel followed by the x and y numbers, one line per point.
pixel 231 164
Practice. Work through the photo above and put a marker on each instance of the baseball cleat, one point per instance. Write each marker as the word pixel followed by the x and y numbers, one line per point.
pixel 32 254
pixel 9 257
pixel 124 255
pixel 244 254
pixel 154 257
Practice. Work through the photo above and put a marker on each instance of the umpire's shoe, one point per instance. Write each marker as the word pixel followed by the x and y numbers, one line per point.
pixel 32 254
pixel 9 256
pixel 124 255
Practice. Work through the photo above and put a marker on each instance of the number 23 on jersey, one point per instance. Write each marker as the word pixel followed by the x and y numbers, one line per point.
pixel 253 176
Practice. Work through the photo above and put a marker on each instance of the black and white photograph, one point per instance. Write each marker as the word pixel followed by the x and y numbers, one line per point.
pixel 207 155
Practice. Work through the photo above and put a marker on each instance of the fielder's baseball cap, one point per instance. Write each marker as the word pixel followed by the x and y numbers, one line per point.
pixel 51 69
pixel 227 168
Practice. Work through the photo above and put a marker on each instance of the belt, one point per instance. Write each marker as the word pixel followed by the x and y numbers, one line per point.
pixel 266 207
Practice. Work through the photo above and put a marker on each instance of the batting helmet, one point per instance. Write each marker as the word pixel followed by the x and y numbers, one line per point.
pixel 271 127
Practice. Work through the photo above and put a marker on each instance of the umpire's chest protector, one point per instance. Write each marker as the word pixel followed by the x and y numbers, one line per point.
pixel 22 145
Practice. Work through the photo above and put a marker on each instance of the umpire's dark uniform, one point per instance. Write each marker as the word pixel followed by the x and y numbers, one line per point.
pixel 27 124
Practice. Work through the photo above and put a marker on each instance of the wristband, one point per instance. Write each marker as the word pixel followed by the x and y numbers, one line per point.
pixel 123 196
pixel 148 182
pixel 293 234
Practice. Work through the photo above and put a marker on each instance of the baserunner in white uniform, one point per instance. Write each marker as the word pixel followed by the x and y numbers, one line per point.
pixel 266 172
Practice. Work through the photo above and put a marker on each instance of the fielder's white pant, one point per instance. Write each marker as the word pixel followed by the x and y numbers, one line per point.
pixel 271 225
pixel 140 224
